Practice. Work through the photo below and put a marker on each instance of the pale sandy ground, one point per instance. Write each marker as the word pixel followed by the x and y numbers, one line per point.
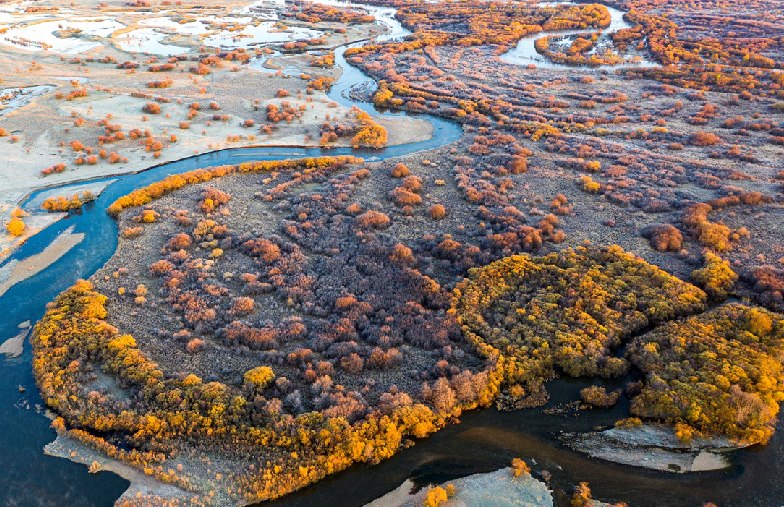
pixel 45 126
pixel 34 223
pixel 494 489
pixel 13 347
pixel 142 486
pixel 652 446
pixel 15 271
pixel 39 219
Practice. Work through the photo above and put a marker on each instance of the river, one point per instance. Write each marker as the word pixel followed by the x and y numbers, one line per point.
pixel 485 440
pixel 525 52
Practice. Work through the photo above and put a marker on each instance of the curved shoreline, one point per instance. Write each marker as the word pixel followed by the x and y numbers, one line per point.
pixel 526 53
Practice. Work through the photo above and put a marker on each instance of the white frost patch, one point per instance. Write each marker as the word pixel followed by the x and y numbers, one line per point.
pixel 266 8
pixel 652 446
pixel 147 40
pixel 706 460
pixel 42 36
pixel 9 18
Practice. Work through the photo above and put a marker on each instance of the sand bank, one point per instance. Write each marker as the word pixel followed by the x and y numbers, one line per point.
pixel 13 347
pixel 654 447
pixel 16 271
pixel 496 489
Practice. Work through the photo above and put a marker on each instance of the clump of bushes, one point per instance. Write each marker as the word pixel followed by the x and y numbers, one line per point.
pixel 599 397
pixel 663 237
pixel 566 311
pixel 716 276
pixel 717 373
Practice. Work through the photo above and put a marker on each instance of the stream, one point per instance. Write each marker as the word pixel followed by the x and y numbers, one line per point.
pixel 525 52
pixel 484 440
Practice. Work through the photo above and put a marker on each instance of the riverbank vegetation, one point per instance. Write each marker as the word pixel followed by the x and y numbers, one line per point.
pixel 717 373
pixel 566 312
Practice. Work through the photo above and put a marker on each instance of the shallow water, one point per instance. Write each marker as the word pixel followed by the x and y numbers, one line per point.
pixel 148 41
pixel 487 440
pixel 12 99
pixel 255 35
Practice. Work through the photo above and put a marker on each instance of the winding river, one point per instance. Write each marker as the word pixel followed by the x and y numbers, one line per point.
pixel 525 52
pixel 484 441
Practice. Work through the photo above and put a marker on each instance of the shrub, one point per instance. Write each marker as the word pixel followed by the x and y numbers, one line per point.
pixel 259 378
pixel 599 397
pixel 373 219
pixel 534 335
pixel 132 232
pixel 404 197
pixel 582 496
pixel 149 216
pixel 716 277
pixel 242 306
pixel 57 168
pixel 435 496
pixel 412 183
pixel 15 227
pixel 401 253
pixel 710 234
pixel 352 363
pixel 718 372
pixel 519 467
pixel 593 166
pixel 194 345
pixel 400 170
pixel 704 139
pixel 179 241
pixel 589 185
pixel 663 237
pixel 151 108
pixel 437 211
pixel 518 165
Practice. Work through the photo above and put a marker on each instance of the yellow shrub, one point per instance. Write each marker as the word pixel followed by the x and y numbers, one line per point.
pixel 15 227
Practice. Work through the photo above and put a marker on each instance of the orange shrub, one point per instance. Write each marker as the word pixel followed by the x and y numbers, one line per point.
pixel 437 211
